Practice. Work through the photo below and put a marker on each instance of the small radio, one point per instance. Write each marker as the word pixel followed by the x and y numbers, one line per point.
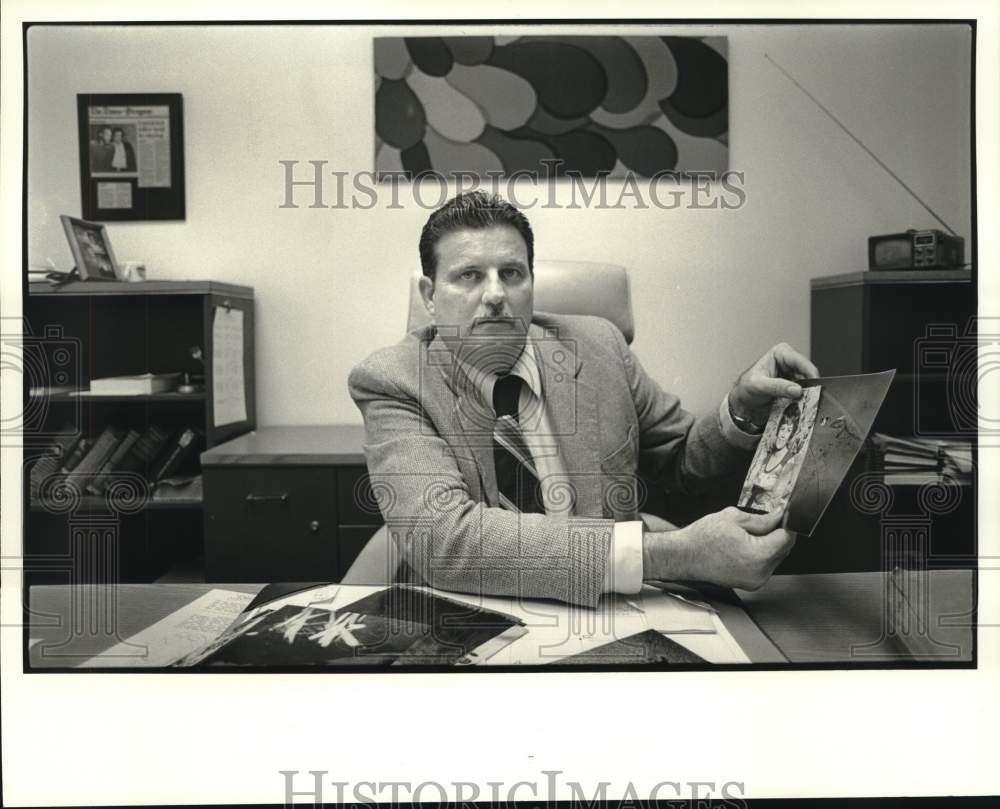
pixel 916 250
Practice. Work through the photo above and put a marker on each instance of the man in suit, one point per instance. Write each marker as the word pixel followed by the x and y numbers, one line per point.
pixel 123 158
pixel 506 446
pixel 101 150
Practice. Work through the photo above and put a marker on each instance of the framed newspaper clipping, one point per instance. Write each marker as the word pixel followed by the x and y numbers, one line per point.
pixel 131 156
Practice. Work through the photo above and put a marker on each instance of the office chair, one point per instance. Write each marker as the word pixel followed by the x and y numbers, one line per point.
pixel 561 287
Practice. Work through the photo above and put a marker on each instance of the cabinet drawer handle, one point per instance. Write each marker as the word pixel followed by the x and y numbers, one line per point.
pixel 267 498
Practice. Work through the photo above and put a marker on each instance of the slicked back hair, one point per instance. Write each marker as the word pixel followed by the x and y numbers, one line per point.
pixel 476 210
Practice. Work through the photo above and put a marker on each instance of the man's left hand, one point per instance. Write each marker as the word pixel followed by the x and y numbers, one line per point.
pixel 769 378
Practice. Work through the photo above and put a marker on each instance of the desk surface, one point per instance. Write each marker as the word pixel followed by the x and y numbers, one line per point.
pixel 819 618
pixel 839 617
pixel 43 288
pixel 317 445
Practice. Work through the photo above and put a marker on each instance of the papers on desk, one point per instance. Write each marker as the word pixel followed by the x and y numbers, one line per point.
pixel 541 632
pixel 177 635
pixel 388 626
pixel 643 649
pixel 557 631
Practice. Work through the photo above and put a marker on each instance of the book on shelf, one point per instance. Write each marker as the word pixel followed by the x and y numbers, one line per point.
pixel 167 460
pixel 50 463
pixel 99 484
pixel 73 458
pixel 134 385
pixel 92 463
pixel 141 455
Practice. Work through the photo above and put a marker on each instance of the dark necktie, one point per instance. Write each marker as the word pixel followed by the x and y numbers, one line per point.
pixel 517 479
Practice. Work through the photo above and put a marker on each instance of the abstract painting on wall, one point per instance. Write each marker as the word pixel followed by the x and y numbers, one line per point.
pixel 594 105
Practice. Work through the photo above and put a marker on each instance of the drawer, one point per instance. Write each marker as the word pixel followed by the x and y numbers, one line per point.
pixel 355 502
pixel 266 524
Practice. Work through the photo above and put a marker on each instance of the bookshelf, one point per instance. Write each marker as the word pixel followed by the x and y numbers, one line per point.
pixel 141 398
pixel 88 330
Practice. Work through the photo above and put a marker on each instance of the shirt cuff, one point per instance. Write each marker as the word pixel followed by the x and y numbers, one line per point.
pixel 624 571
pixel 734 435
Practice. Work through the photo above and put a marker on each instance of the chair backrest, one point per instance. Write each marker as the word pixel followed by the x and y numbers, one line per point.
pixel 563 288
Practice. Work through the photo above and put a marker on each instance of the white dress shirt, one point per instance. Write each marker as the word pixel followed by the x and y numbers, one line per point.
pixel 624 573
pixel 119 161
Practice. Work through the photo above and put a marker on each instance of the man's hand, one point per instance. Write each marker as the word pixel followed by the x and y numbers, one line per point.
pixel 729 548
pixel 767 379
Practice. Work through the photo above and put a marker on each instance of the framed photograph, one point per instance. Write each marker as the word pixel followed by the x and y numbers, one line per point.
pixel 95 260
pixel 131 156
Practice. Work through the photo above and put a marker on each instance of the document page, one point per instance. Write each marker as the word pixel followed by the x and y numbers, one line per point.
pixel 177 635
pixel 228 391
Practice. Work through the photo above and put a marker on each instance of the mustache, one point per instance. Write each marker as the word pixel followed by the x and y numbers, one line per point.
pixel 499 318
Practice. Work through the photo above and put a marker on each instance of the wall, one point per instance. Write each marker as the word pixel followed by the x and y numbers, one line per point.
pixel 713 288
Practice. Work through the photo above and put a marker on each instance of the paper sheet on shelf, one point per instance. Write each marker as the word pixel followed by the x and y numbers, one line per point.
pixel 228 389
pixel 177 635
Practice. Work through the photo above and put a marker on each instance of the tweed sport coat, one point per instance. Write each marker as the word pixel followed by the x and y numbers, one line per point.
pixel 428 443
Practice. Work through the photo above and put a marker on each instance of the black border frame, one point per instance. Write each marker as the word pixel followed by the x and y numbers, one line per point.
pixel 971 23
pixel 148 204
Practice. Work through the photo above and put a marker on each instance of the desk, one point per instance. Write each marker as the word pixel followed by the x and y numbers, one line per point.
pixel 838 617
pixel 818 618
pixel 287 504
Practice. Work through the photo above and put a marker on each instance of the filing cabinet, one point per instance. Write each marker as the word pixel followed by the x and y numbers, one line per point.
pixel 915 321
pixel 287 504
pixel 922 324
